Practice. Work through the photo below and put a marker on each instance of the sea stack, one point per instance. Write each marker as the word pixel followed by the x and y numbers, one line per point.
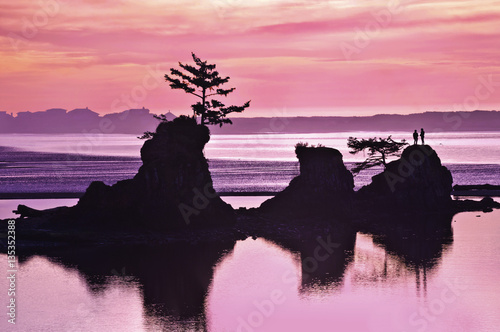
pixel 417 182
pixel 324 188
pixel 173 189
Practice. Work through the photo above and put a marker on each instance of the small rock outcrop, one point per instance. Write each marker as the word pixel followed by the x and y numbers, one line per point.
pixel 324 187
pixel 173 188
pixel 415 182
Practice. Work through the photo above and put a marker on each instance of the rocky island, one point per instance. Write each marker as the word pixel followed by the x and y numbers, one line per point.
pixel 172 198
pixel 323 189
pixel 172 190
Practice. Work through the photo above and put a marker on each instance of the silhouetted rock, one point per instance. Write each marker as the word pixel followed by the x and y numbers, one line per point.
pixel 487 204
pixel 324 187
pixel 415 182
pixel 25 211
pixel 173 188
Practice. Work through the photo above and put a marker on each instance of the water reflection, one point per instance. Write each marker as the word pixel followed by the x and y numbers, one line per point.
pixel 181 291
pixel 323 256
pixel 406 247
pixel 411 245
pixel 174 279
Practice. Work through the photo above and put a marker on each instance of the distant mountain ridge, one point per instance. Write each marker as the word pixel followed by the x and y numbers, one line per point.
pixel 136 121
pixel 430 121
pixel 79 120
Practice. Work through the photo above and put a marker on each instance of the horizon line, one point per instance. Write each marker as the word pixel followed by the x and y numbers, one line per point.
pixel 15 114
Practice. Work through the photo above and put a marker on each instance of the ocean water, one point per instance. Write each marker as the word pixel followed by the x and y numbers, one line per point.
pixel 449 283
pixel 459 147
pixel 412 283
pixel 238 163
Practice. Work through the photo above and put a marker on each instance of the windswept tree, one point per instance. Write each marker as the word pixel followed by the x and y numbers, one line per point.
pixel 378 151
pixel 203 81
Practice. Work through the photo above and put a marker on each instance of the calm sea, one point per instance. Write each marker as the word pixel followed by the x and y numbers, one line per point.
pixel 445 283
pixel 238 163
pixel 258 285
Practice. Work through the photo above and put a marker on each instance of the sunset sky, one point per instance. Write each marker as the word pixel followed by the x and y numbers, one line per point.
pixel 290 57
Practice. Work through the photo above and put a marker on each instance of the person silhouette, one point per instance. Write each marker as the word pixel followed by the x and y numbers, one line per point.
pixel 422 134
pixel 415 137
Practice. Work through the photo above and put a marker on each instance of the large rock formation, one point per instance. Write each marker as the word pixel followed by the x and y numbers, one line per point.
pixel 324 187
pixel 415 182
pixel 173 188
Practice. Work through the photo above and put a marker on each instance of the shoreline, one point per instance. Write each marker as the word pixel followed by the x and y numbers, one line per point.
pixel 77 195
pixel 69 195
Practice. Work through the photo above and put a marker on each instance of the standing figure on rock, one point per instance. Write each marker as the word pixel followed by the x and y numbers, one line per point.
pixel 422 134
pixel 415 137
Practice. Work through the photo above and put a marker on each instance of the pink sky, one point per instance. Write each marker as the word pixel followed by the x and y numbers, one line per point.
pixel 290 57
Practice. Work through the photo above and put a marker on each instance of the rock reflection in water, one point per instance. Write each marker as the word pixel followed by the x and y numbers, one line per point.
pixel 323 256
pixel 174 279
pixel 408 247
pixel 177 281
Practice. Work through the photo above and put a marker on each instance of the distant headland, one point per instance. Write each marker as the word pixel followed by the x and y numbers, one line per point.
pixel 136 121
